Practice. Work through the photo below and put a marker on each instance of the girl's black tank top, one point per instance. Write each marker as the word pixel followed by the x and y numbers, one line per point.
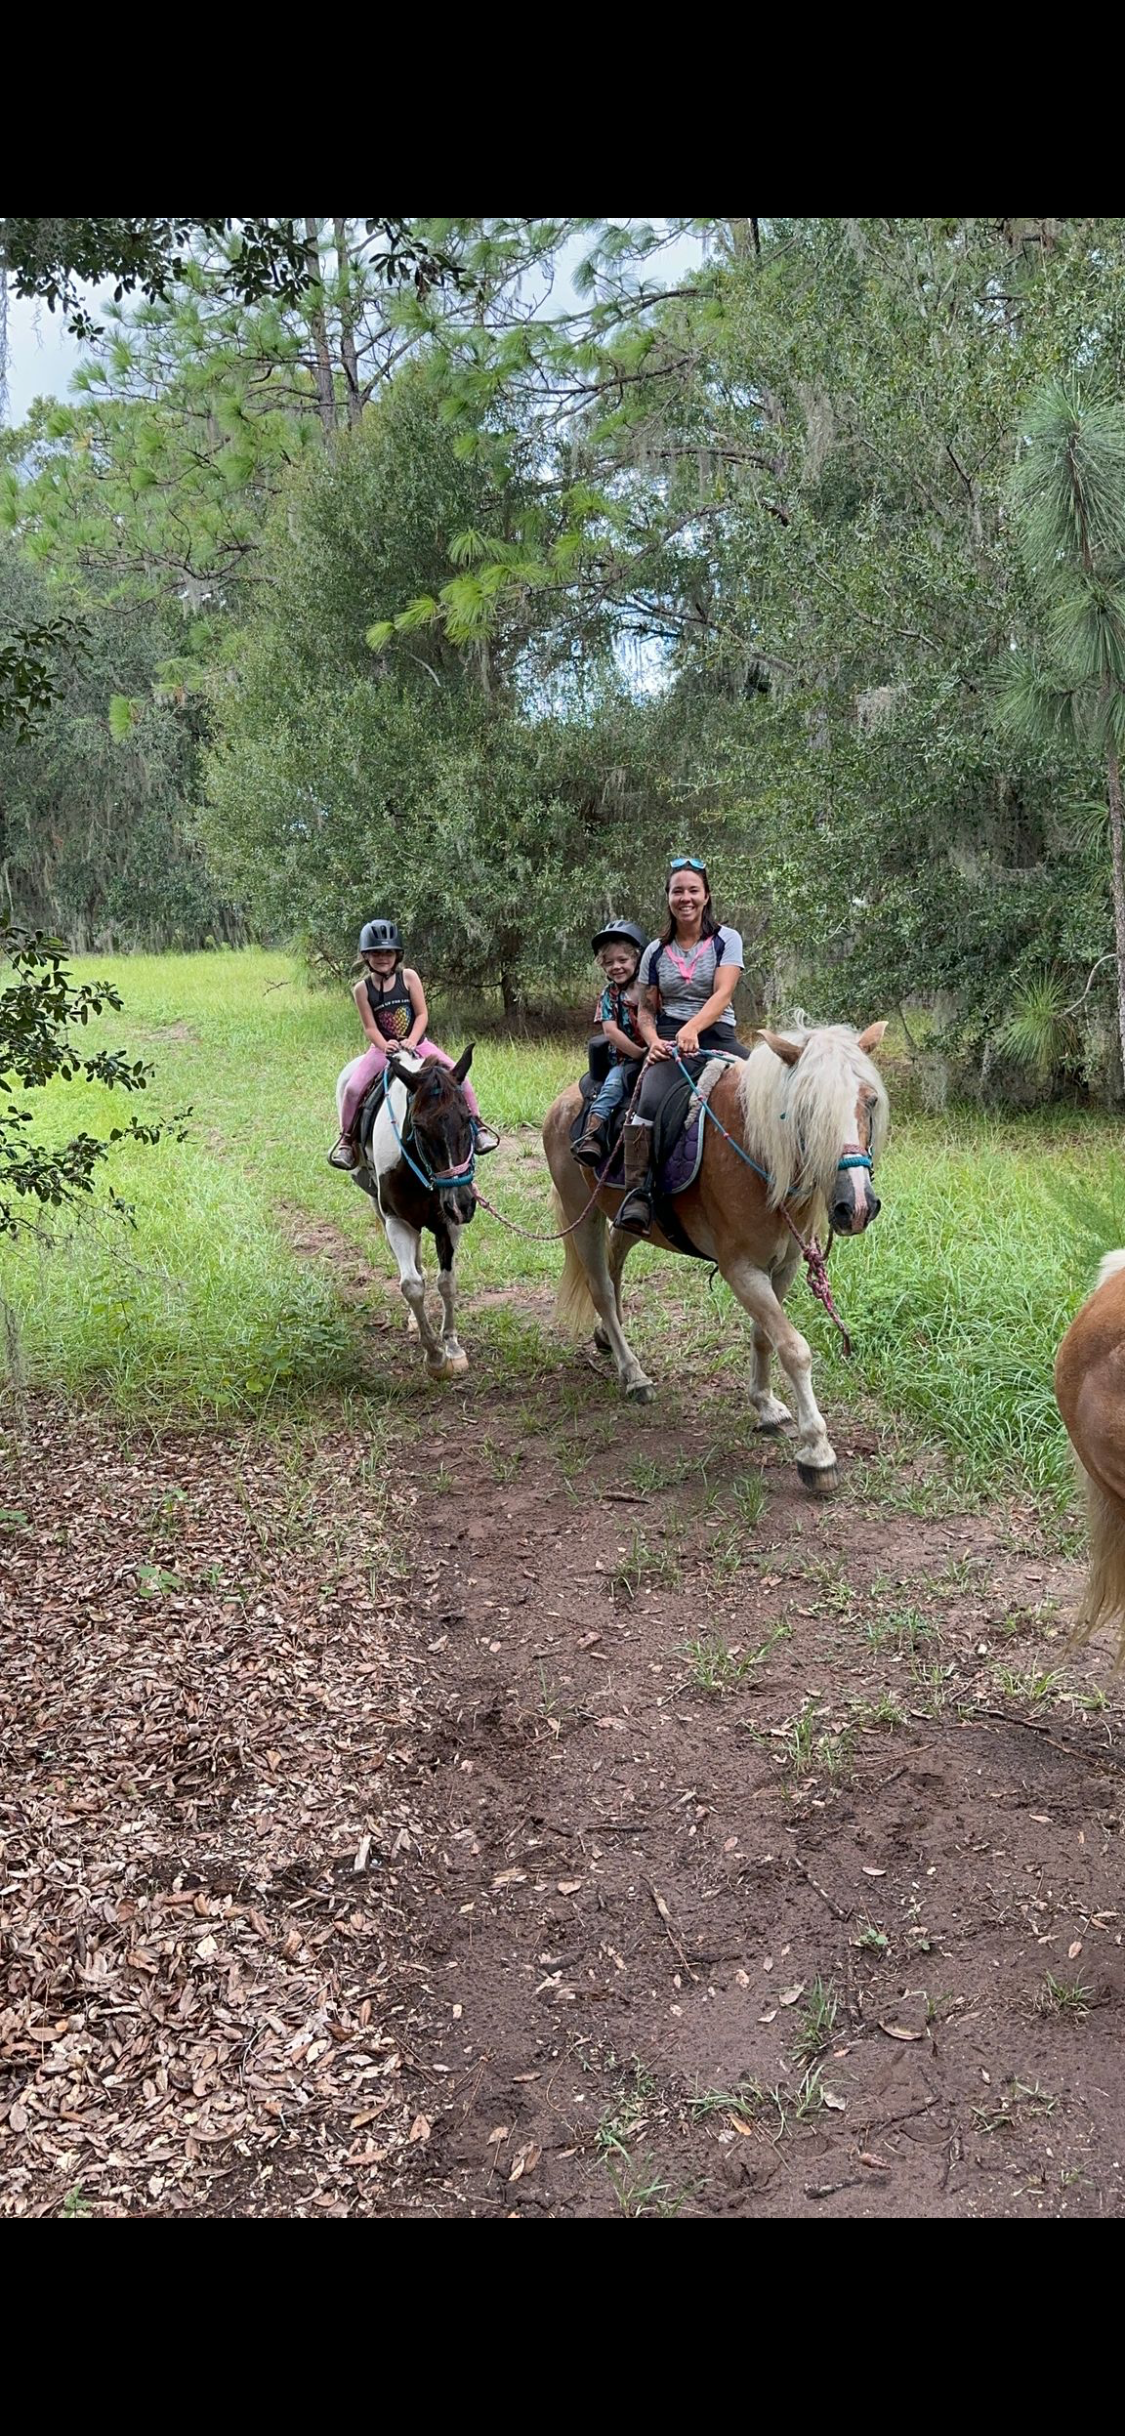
pixel 391 1008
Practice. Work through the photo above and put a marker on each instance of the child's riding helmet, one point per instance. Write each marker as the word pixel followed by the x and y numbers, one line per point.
pixel 616 933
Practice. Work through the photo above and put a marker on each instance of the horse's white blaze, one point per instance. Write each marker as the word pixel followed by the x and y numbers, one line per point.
pixel 851 1187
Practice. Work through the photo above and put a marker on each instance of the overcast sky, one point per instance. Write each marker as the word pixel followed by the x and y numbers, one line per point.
pixel 42 355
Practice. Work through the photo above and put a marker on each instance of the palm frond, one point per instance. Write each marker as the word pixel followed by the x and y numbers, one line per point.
pixel 1035 703
pixel 1039 1034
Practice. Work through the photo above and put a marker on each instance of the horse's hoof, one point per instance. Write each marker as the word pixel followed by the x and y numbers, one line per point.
pixel 455 1363
pixel 770 1429
pixel 819 1479
pixel 641 1393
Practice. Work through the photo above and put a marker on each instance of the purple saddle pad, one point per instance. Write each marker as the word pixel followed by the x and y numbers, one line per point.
pixel 681 1167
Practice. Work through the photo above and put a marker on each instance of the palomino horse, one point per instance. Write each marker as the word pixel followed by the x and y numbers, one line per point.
pixel 810 1113
pixel 1090 1389
pixel 418 1169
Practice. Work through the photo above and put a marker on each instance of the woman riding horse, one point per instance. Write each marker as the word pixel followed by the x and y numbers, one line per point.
pixel 790 1142
pixel 686 980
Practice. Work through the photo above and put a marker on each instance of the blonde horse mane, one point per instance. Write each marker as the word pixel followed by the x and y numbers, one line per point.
pixel 797 1117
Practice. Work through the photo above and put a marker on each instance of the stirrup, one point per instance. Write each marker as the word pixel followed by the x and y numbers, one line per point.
pixel 639 1199
pixel 343 1154
pixel 592 1149
pixel 486 1139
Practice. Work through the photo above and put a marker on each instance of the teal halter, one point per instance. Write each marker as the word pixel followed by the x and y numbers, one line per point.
pixel 436 1180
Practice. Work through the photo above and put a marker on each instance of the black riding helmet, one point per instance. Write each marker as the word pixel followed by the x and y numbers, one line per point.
pixel 377 938
pixel 616 933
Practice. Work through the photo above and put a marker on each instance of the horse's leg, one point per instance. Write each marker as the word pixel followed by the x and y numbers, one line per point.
pixel 447 1239
pixel 588 1272
pixel 619 1246
pixel 816 1461
pixel 772 1414
pixel 405 1242
pixel 603 1276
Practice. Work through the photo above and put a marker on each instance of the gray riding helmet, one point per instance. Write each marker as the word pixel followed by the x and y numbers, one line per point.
pixel 616 933
pixel 378 937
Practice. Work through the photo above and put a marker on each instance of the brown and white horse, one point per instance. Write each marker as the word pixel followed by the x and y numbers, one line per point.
pixel 418 1170
pixel 810 1110
pixel 1090 1391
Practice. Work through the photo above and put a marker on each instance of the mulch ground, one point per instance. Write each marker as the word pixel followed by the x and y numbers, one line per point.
pixel 532 1826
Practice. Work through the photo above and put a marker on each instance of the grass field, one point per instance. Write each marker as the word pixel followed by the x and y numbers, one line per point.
pixel 956 1301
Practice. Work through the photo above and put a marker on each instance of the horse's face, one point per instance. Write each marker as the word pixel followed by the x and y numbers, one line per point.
pixel 442 1129
pixel 836 1113
pixel 856 1202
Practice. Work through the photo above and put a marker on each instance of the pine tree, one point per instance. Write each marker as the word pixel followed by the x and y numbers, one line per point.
pixel 1068 499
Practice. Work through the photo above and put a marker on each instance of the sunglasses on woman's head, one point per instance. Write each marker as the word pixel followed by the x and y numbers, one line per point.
pixel 686 862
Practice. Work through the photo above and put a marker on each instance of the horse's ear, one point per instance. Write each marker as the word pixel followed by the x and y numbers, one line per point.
pixel 463 1063
pixel 870 1039
pixel 788 1050
pixel 401 1074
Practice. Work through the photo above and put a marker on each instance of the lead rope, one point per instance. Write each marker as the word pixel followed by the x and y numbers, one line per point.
pixel 563 1232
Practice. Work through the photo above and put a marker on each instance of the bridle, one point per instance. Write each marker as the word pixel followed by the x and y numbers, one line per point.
pixel 435 1179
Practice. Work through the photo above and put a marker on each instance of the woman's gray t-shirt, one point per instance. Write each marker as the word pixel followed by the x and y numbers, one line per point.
pixel 682 997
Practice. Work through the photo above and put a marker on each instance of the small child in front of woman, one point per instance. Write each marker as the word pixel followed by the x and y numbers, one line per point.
pixel 618 949
pixel 392 1009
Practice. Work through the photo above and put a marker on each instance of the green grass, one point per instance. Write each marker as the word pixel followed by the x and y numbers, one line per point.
pixel 956 1299
pixel 712 1667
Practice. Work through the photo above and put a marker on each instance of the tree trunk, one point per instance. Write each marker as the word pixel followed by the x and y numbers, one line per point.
pixel 1113 786
pixel 318 324
pixel 511 987
pixel 348 356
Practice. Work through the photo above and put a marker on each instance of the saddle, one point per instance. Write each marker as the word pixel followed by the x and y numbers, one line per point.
pixel 369 1111
pixel 677 1141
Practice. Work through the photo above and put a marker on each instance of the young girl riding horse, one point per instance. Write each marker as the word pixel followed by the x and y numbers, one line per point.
pixel 393 1011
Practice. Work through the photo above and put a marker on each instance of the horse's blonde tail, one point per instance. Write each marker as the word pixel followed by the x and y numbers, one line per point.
pixel 1103 1600
pixel 575 1314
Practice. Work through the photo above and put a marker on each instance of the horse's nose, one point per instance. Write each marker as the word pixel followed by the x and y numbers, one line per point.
pixel 874 1205
pixel 841 1215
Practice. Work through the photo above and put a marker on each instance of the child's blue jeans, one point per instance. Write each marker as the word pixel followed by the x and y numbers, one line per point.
pixel 616 1087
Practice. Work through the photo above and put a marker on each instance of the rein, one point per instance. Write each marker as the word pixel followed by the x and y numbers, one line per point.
pixel 815 1260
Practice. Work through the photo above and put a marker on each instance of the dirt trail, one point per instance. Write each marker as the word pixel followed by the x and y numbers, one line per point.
pixel 659 1841
pixel 759 1871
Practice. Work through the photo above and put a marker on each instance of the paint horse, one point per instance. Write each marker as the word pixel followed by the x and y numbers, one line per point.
pixel 804 1119
pixel 417 1165
pixel 1090 1392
